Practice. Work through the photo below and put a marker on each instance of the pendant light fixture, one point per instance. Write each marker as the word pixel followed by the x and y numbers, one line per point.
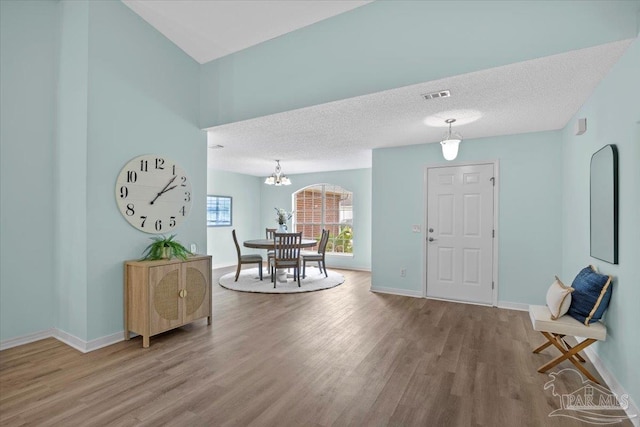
pixel 450 142
pixel 277 178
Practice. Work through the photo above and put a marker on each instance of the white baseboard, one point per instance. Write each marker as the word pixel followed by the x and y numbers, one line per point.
pixel 394 291
pixel 366 270
pixel 65 337
pixel 26 339
pixel 614 385
pixel 513 305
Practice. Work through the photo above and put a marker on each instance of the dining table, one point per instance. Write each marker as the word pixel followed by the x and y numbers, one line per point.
pixel 269 244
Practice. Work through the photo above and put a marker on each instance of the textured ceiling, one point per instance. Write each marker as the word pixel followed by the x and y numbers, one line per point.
pixel 536 95
pixel 530 96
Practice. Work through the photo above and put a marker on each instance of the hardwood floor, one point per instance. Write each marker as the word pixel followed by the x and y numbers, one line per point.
pixel 343 356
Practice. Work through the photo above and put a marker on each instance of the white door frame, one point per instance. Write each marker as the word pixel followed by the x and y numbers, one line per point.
pixel 496 205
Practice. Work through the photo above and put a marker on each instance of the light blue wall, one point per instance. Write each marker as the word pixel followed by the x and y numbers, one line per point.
pixel 389 44
pixel 356 180
pixel 122 90
pixel 245 191
pixel 28 68
pixel 613 117
pixel 529 227
pixel 253 211
pixel 143 98
pixel 70 187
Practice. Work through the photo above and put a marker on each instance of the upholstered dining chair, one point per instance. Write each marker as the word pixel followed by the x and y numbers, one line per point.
pixel 316 256
pixel 246 259
pixel 286 254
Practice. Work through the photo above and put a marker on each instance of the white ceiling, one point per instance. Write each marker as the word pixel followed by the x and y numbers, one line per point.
pixel 535 95
pixel 210 29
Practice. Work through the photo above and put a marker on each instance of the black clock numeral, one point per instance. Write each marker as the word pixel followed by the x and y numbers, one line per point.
pixel 187 196
pixel 144 219
pixel 132 176
pixel 124 192
pixel 182 211
pixel 184 181
pixel 144 166
pixel 130 210
pixel 158 225
pixel 172 221
pixel 174 169
pixel 160 163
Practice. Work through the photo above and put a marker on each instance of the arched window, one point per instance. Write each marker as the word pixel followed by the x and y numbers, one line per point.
pixel 325 206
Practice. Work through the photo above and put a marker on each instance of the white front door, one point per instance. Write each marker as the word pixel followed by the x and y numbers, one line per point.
pixel 460 233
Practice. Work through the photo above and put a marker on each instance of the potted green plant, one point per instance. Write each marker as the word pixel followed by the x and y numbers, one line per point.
pixel 165 248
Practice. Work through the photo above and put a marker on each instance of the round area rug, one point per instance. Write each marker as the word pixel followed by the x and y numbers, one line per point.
pixel 249 281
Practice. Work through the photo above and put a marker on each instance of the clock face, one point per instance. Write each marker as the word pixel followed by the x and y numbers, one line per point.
pixel 153 193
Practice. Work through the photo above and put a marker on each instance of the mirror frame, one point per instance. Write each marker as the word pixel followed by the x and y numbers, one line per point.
pixel 603 196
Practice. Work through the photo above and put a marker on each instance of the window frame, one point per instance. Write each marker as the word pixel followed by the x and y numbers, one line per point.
pixel 213 214
pixel 323 189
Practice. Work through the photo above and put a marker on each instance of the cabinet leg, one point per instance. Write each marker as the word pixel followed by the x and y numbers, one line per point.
pixel 145 341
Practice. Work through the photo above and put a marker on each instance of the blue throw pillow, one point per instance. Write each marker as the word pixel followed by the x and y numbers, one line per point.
pixel 591 295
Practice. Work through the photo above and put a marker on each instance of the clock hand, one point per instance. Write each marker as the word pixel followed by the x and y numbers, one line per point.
pixel 168 183
pixel 170 188
pixel 164 190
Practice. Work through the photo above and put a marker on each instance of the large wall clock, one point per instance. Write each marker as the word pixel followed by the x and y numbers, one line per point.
pixel 153 193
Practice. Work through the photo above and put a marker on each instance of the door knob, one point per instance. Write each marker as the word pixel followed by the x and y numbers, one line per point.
pixel 431 239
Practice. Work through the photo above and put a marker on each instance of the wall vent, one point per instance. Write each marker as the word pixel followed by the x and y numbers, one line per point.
pixel 438 94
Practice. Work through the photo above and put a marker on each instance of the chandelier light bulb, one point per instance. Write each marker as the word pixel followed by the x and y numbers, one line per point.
pixel 277 178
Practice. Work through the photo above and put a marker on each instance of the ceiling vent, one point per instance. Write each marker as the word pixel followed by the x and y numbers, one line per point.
pixel 438 94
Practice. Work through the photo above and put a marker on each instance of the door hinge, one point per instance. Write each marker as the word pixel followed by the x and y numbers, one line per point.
pixel 493 233
pixel 493 180
pixel 493 285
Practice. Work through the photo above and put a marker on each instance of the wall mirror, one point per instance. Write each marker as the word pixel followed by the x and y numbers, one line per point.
pixel 604 204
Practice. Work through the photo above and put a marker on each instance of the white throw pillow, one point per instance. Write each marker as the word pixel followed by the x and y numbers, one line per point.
pixel 558 299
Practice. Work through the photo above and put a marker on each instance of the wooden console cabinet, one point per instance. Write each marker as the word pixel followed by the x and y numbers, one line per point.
pixel 165 294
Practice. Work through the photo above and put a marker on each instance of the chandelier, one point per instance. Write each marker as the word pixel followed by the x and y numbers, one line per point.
pixel 450 142
pixel 277 178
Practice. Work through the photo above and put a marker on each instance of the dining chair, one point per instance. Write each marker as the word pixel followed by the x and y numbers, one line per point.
pixel 269 232
pixel 316 256
pixel 246 259
pixel 286 254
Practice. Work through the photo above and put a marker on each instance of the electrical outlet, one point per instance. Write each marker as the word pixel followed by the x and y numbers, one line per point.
pixel 403 272
pixel 415 228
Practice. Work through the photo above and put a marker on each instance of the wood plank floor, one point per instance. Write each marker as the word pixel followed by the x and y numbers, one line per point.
pixel 343 356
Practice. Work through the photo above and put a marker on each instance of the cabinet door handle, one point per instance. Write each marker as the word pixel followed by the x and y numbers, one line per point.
pixel 182 293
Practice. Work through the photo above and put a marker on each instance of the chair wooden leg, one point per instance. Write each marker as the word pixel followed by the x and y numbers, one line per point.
pixel 238 272
pixel 568 347
pixel 561 340
pixel 570 354
pixel 260 269
pixel 273 277
pixel 324 266
pixel 304 269
pixel 296 271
